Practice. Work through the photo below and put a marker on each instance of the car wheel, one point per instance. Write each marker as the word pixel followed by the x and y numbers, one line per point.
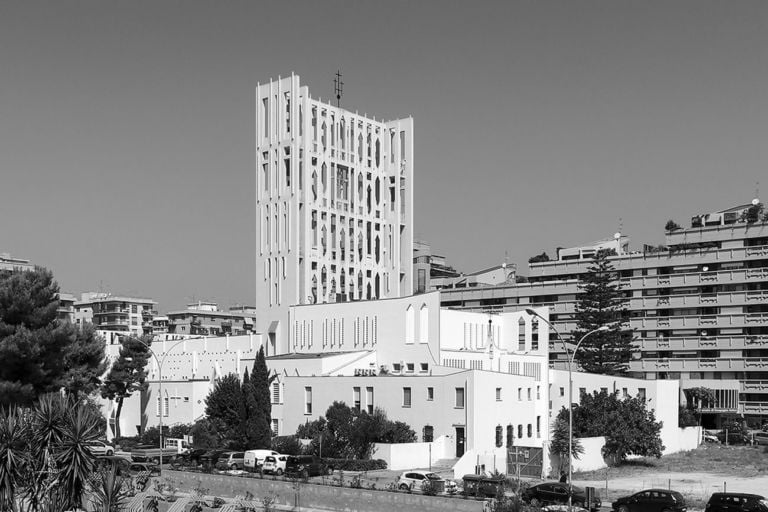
pixel 623 508
pixel 232 467
pixel 109 453
pixel 403 487
pixel 535 502
pixel 279 472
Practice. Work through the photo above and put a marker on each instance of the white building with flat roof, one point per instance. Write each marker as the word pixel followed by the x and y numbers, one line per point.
pixel 334 206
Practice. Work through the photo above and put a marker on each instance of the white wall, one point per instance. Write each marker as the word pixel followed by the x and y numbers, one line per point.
pixel 414 455
pixel 492 459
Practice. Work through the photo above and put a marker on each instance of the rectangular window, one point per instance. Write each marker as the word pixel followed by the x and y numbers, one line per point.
pixel 308 400
pixel 396 367
pixel 562 391
pixel 529 394
pixel 406 397
pixel 159 404
pixel 275 392
pixel 424 367
pixel 641 393
pixel 538 392
pixel 459 398
pixel 369 399
pixel 538 426
pixel 624 393
pixel 275 427
pixel 356 398
pixel 166 406
pixel 519 394
pixel 409 367
pixel 498 394
pixel 430 393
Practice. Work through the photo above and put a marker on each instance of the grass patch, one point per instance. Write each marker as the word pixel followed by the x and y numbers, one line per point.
pixel 739 461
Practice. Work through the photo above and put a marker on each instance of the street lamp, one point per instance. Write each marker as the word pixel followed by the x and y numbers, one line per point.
pixel 160 385
pixel 569 360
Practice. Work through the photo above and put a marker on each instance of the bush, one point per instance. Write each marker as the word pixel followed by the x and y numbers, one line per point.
pixel 356 464
pixel 127 443
pixel 287 445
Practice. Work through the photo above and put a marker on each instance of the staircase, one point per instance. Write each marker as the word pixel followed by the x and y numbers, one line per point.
pixel 443 464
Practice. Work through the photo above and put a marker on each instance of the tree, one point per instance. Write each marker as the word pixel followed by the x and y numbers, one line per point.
pixel 601 304
pixel 697 398
pixel 128 374
pixel 45 462
pixel 39 353
pixel 752 214
pixel 225 407
pixel 559 442
pixel 539 258
pixel 671 226
pixel 628 426
pixel 258 403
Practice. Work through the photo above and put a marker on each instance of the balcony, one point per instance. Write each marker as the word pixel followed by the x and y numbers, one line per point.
pixel 742 275
pixel 753 408
pixel 697 364
pixel 699 321
pixel 707 342
pixel 114 311
pixel 698 300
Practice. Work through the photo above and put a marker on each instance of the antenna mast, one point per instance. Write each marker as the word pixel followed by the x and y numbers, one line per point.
pixel 338 88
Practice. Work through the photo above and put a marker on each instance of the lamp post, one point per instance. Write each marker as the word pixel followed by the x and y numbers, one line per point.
pixel 569 360
pixel 160 386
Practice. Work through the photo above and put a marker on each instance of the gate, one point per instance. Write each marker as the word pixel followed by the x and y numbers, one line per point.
pixel 525 461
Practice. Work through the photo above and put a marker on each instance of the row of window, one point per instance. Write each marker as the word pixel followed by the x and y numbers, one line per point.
pixel 510 430
pixel 458 396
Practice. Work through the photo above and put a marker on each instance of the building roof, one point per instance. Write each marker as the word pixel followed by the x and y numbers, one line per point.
pixel 318 355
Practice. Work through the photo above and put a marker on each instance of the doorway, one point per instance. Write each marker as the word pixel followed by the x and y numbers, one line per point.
pixel 459 441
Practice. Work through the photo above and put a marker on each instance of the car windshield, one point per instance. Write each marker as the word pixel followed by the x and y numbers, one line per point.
pixel 432 476
pixel 269 459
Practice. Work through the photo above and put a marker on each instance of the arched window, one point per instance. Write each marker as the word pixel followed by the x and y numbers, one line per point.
pixel 510 435
pixel 410 324
pixel 499 436
pixel 519 431
pixel 424 324
pixel 534 334
pixel 428 433
pixel 521 335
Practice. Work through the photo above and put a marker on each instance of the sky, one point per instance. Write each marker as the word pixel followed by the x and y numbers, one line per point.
pixel 127 128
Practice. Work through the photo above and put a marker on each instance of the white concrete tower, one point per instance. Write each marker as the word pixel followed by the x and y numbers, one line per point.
pixel 334 206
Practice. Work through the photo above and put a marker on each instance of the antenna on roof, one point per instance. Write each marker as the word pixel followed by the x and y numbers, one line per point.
pixel 338 88
pixel 756 200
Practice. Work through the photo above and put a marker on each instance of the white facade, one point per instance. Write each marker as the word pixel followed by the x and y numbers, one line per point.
pixel 334 206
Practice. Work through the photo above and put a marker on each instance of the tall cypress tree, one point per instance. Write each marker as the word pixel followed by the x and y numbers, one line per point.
pixel 601 303
pixel 260 413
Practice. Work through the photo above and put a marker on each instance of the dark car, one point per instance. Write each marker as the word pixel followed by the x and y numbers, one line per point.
pixel 486 486
pixel 306 466
pixel 126 468
pixel 144 467
pixel 211 457
pixel 557 492
pixel 736 502
pixel 733 438
pixel 194 455
pixel 651 500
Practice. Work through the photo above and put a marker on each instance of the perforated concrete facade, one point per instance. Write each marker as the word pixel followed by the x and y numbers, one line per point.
pixel 334 196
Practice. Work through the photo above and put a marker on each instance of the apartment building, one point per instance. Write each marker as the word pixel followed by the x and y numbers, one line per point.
pixel 697 304
pixel 116 313
pixel 205 318
pixel 7 262
pixel 334 205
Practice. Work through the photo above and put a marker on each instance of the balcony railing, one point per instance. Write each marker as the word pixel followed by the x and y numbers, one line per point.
pixel 697 364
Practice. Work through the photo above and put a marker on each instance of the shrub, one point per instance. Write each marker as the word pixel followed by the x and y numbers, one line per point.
pixel 428 488
pixel 218 502
pixel 357 464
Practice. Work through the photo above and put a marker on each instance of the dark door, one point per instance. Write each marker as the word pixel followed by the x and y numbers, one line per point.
pixel 459 441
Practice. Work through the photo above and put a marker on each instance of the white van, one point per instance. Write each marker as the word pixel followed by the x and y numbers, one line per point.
pixel 254 459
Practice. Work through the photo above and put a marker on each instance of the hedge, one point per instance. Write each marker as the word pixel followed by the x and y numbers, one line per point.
pixel 356 464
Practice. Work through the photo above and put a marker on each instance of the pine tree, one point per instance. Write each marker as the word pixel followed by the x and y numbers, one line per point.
pixel 39 354
pixel 601 304
pixel 127 375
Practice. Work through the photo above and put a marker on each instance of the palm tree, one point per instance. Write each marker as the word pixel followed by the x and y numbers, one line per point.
pixel 110 491
pixel 75 461
pixel 14 456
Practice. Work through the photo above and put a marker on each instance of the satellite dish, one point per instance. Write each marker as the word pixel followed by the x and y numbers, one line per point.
pixel 617 236
pixel 755 201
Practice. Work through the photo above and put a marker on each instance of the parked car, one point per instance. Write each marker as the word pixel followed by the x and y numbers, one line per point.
pixel 736 502
pixel 140 467
pixel 231 460
pixel 414 480
pixel 306 466
pixel 549 493
pixel 274 464
pixel 709 437
pixel 211 457
pixel 126 468
pixel 194 455
pixel 480 485
pixel 254 459
pixel 760 438
pixel 651 500
pixel 101 449
pixel 734 437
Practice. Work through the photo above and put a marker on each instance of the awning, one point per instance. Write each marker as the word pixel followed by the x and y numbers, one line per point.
pixel 273 327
